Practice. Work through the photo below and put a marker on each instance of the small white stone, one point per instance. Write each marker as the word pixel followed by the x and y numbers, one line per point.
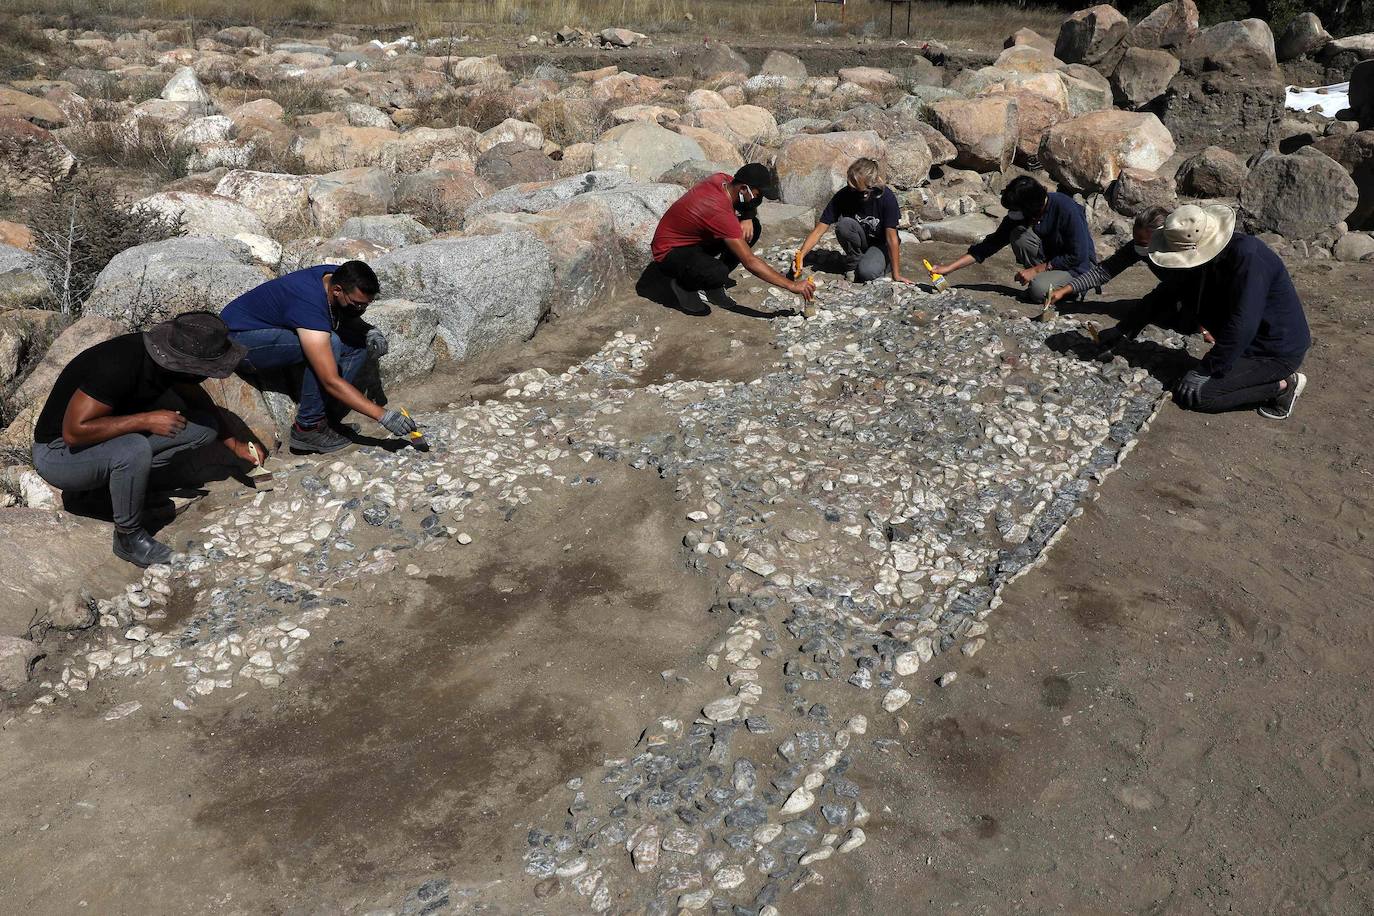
pixel 464 538
pixel 138 633
pixel 730 876
pixel 858 724
pixel 896 698
pixel 907 664
pixel 800 799
pixel 949 677
pixel 854 840
pixel 722 710
pixel 122 710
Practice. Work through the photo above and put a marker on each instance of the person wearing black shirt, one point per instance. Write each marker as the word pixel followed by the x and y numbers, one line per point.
pixel 865 216
pixel 101 427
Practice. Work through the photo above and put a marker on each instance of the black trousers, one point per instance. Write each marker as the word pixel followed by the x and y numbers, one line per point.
pixel 705 266
pixel 1252 382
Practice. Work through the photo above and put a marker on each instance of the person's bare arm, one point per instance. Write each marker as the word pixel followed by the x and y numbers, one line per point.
pixel 756 266
pixel 964 260
pixel 90 422
pixel 894 254
pixel 812 240
pixel 320 355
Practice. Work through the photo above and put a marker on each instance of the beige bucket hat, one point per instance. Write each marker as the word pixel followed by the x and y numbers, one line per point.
pixel 1192 236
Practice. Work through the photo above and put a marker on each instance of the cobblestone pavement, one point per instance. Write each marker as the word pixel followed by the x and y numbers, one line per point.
pixel 861 503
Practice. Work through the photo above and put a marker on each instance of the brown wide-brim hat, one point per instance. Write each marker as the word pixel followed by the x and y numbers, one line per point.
pixel 196 343
pixel 1192 236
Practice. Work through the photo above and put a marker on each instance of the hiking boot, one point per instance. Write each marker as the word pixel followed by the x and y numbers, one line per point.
pixel 688 300
pixel 321 440
pixel 1282 408
pixel 139 548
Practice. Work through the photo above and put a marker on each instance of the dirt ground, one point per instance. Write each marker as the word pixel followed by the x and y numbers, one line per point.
pixel 1170 717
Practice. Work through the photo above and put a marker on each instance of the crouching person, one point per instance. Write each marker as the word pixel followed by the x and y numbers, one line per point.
pixel 865 214
pixel 297 320
pixel 1247 300
pixel 101 428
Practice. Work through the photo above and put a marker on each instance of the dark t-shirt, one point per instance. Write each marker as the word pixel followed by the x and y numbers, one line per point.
pixel 875 210
pixel 118 373
pixel 291 302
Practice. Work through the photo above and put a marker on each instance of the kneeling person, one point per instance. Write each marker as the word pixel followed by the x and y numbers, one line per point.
pixel 295 320
pixel 101 427
pixel 701 239
pixel 1048 234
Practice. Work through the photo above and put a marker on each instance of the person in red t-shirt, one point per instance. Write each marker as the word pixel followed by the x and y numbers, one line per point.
pixel 701 239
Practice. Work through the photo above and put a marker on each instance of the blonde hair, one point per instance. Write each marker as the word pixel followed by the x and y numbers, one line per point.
pixel 865 175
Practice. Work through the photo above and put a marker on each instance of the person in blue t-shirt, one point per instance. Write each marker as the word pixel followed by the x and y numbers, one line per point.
pixel 1048 234
pixel 295 320
pixel 865 216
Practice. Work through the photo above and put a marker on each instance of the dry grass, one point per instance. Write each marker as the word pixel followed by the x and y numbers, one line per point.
pixel 741 21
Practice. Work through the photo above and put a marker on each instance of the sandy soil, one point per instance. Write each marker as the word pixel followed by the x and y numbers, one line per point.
pixel 1170 718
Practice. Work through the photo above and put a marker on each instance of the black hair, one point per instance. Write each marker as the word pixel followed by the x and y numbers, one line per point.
pixel 355 275
pixel 1025 194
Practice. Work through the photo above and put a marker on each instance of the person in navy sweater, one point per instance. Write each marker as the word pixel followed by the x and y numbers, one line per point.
pixel 1241 291
pixel 1048 234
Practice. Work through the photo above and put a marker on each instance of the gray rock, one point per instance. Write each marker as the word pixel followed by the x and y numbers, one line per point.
pixel 1216 109
pixel 1213 172
pixel 488 291
pixel 43 553
pixel 1136 190
pixel 1170 25
pixel 507 164
pixel 1239 48
pixel 410 329
pixel 1354 246
pixel 962 230
pixel 17 657
pixel 1302 36
pixel 394 230
pixel 716 59
pixel 548 196
pixel 1142 76
pixel 780 63
pixel 1090 36
pixel 22 283
pixel 151 283
pixel 643 150
pixel 1298 196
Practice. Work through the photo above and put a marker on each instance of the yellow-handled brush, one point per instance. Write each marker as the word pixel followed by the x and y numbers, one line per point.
pixel 417 437
pixel 936 280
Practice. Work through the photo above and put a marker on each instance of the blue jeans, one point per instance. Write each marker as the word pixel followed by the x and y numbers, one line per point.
pixel 278 348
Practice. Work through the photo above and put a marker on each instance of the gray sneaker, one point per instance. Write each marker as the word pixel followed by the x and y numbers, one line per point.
pixel 321 440
pixel 1282 408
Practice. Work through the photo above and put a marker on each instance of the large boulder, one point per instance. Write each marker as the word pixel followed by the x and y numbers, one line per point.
pixel 584 266
pixel 511 130
pixel 1238 113
pixel 1088 153
pixel 488 291
pixel 514 163
pixel 439 196
pixel 1303 35
pixel 392 231
pixel 643 150
pixel 281 202
pixel 984 130
pixel 1298 196
pixel 1212 172
pixel 908 161
pixel 1170 26
pixel 150 283
pixel 338 196
pixel 722 152
pixel 30 157
pixel 1136 190
pixel 545 195
pixel 1355 153
pixel 1143 76
pixel 185 87
pixel 429 147
pixel 1091 36
pixel 21 331
pixel 941 150
pixel 46 554
pixel 1243 48
pixel 16 104
pixel 205 215
pixel 742 125
pixel 1087 89
pixel 23 284
pixel 1035 115
pixel 780 63
pixel 812 167
pixel 716 59
pixel 875 79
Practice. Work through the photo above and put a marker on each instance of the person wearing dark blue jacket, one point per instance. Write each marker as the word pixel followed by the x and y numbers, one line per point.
pixel 1048 234
pixel 1241 291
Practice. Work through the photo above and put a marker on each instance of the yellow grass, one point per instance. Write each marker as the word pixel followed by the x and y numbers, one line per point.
pixel 738 21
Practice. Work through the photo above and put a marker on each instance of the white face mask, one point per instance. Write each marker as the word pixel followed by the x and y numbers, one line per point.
pixel 1142 250
pixel 1015 216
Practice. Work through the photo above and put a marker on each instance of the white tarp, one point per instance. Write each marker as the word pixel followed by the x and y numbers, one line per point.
pixel 1327 99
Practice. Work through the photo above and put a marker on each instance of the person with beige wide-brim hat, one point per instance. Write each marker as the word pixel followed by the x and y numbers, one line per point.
pixel 1246 298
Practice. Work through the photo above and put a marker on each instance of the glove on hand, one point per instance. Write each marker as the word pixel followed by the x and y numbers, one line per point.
pixel 1189 390
pixel 398 424
pixel 376 343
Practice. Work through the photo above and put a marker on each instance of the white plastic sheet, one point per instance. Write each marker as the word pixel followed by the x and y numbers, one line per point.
pixel 1327 99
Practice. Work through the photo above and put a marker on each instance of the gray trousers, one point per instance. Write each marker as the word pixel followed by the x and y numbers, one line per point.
pixel 122 464
pixel 868 259
pixel 1028 250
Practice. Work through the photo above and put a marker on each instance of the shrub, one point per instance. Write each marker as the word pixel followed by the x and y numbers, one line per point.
pixel 150 148
pixel 78 226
